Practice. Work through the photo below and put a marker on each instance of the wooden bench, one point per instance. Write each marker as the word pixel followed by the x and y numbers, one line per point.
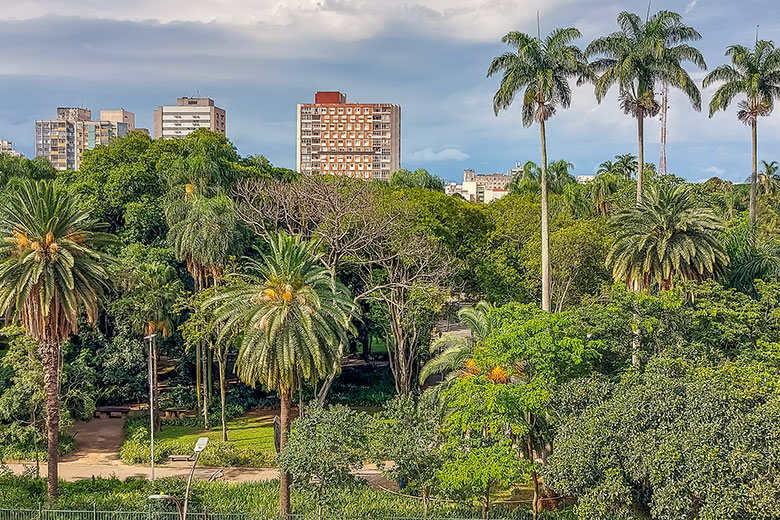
pixel 180 458
pixel 177 413
pixel 116 412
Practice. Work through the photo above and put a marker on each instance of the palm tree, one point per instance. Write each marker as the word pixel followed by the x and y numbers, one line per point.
pixel 606 167
pixel 152 290
pixel 626 165
pixel 637 58
pixel 205 236
pixel 751 259
pixel 755 74
pixel 667 235
pixel 769 177
pixel 293 315
pixel 52 271
pixel 602 188
pixel 454 350
pixel 540 70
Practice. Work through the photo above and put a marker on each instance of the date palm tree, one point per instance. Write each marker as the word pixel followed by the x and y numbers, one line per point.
pixel 292 314
pixel 539 70
pixel 452 351
pixel 640 56
pixel 755 74
pixel 667 235
pixel 52 270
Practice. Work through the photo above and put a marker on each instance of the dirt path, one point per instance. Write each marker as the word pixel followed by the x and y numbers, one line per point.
pixel 97 454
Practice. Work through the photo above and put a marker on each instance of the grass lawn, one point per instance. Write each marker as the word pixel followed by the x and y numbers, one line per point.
pixel 253 430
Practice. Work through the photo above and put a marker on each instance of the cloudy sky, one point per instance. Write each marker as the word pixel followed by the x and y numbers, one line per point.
pixel 258 58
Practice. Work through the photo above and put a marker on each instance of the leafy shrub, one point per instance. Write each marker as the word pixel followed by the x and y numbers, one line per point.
pixel 366 386
pixel 356 500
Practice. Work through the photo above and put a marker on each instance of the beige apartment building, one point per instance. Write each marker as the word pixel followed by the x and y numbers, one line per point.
pixel 7 148
pixel 119 116
pixel 189 114
pixel 360 140
pixel 64 140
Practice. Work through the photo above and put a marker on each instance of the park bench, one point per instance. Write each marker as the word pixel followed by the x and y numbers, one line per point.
pixel 174 412
pixel 181 458
pixel 104 412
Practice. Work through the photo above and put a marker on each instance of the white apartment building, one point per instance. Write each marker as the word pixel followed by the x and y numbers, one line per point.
pixel 189 114
pixel 7 148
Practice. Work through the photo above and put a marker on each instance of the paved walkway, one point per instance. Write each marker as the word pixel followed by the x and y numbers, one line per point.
pixel 97 455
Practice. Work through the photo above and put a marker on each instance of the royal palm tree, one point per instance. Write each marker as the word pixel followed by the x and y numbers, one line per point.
pixel 626 165
pixel 453 351
pixel 558 176
pixel 640 56
pixel 754 74
pixel 53 270
pixel 205 236
pixel 667 235
pixel 292 314
pixel 540 71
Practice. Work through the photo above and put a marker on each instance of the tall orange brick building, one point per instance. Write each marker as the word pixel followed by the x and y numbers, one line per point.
pixel 360 140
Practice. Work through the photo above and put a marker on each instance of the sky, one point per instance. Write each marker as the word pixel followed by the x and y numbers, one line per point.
pixel 258 58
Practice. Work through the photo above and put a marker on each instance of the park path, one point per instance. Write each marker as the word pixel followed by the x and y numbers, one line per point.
pixel 97 455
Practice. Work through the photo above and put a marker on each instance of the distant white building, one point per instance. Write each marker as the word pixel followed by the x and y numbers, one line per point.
pixel 585 179
pixel 483 187
pixel 7 148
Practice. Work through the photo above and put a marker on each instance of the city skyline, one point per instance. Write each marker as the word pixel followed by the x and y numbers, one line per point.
pixel 429 57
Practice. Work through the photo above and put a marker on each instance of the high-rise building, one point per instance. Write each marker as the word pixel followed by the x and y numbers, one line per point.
pixel 188 115
pixel 119 116
pixel 7 148
pixel 64 140
pixel 361 140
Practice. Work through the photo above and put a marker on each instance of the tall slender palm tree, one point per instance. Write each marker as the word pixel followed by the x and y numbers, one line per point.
pixel 640 56
pixel 293 315
pixel 540 71
pixel 667 235
pixel 52 269
pixel 205 236
pixel 755 74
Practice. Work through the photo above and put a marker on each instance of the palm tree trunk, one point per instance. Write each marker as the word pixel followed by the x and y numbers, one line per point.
pixel 754 173
pixel 640 126
pixel 222 392
pixel 545 228
pixel 50 357
pixel 285 478
pixel 209 372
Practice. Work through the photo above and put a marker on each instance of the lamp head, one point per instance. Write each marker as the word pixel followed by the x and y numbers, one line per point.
pixel 201 444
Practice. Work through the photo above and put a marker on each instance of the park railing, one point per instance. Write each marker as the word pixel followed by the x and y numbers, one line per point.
pixel 94 514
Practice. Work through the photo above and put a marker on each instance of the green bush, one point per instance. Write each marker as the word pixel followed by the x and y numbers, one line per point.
pixel 355 501
pixel 216 454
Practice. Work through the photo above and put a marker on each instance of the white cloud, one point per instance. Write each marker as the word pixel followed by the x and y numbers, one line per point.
pixel 714 170
pixel 427 155
pixel 690 6
pixel 337 19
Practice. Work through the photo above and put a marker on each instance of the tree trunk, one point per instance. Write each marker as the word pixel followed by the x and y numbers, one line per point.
pixel 640 126
pixel 534 476
pixel 545 228
pixel 425 500
pixel 50 357
pixel 486 503
pixel 222 393
pixel 156 389
pixel 323 393
pixel 284 478
pixel 197 372
pixel 205 393
pixel 754 173
pixel 210 372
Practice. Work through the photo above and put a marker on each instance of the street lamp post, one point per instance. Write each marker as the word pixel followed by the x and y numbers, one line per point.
pixel 150 339
pixel 199 447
